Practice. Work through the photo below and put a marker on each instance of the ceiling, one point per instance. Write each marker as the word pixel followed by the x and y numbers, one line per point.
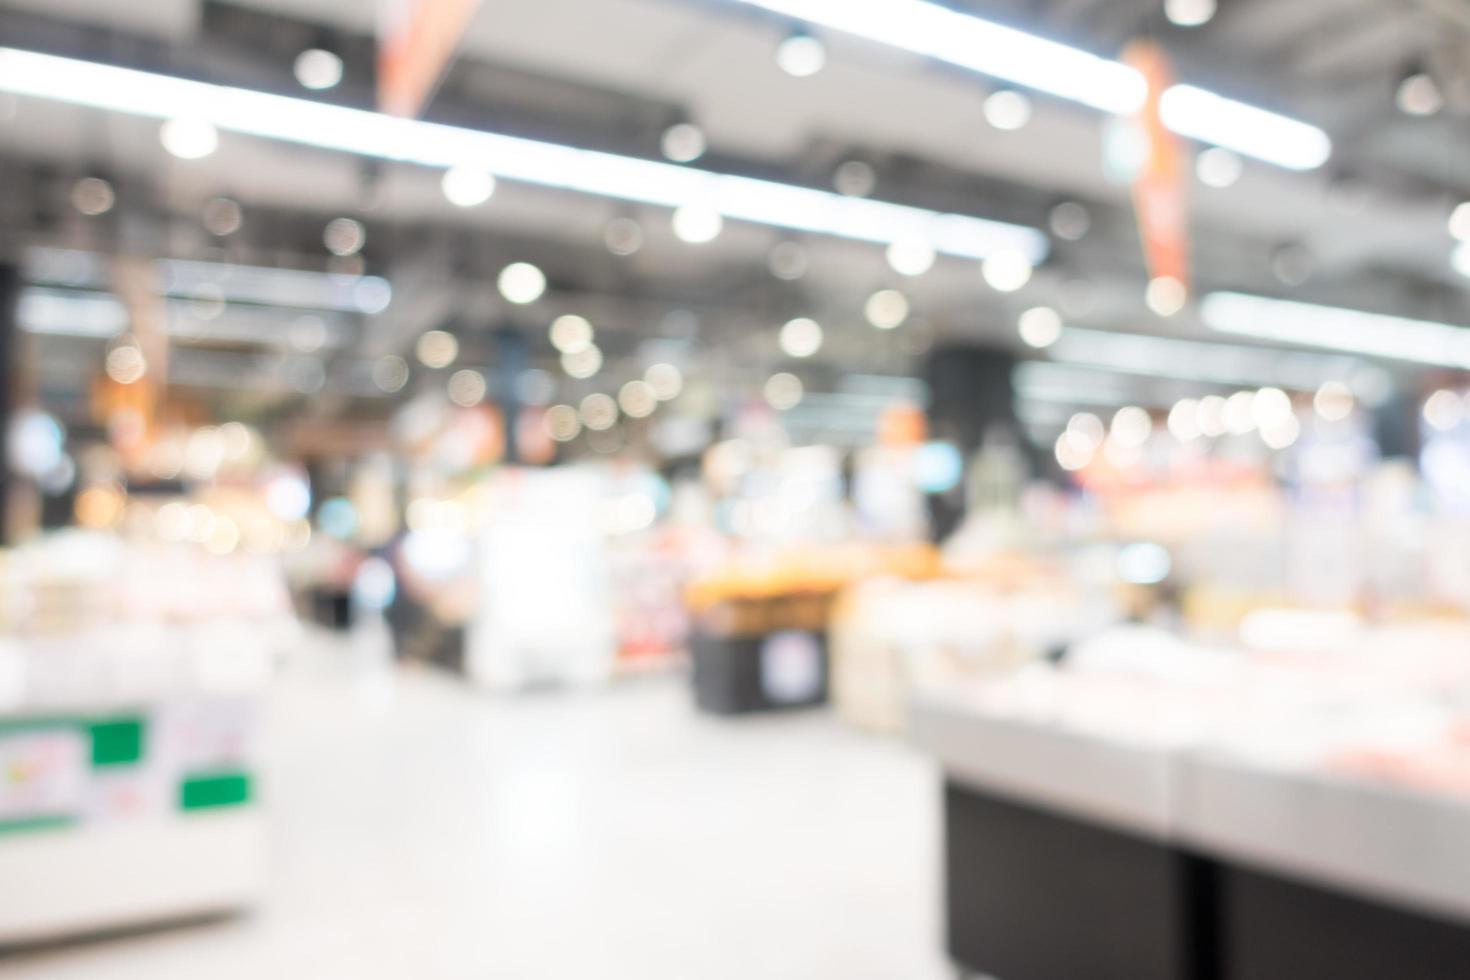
pixel 612 74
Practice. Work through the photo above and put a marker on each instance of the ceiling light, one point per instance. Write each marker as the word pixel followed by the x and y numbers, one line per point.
pixel 1211 416
pixel 887 309
pixel 1184 420
pixel 683 142
pixel 1131 426
pixel 467 388
pixel 1240 416
pixel 1218 168
pixel 318 69
pixel 1292 264
pixel 911 257
pixel 801 55
pixel 787 261
pixel 1189 13
pixel 1270 407
pixel 561 423
pixel 1019 58
pixel 1459 223
pixel 1334 401
pixel 582 364
pixel 1166 296
pixel 92 196
pixel 697 225
pixel 189 138
pixel 1069 220
pixel 1419 94
pixel 637 400
pixel 467 187
pixel 571 333
pixel 372 134
pixel 623 236
pixel 1283 434
pixel 1085 431
pixel 1460 259
pixel 1007 272
pixel 666 380
pixel 801 337
pixel 1443 410
pixel 437 349
pixel 1007 110
pixel 221 217
pixel 1334 328
pixel 599 412
pixel 1210 118
pixel 344 236
pixel 390 373
pixel 521 283
pixel 854 178
pixel 1040 327
pixel 783 391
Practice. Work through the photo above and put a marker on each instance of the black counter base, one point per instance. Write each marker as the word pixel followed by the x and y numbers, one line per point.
pixel 1035 895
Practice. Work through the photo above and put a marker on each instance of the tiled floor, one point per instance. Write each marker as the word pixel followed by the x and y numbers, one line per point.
pixel 422 830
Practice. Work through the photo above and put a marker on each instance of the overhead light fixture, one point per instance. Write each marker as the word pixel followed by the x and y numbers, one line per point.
pixel 1192 360
pixel 372 134
pixel 1460 259
pixel 93 196
pixel 1418 93
pixel 521 283
pixel 1007 272
pixel 1069 220
pixel 801 55
pixel 623 236
pixel 697 225
pixel 467 187
pixel 344 236
pixel 1040 327
pixel 801 337
pixel 1014 56
pixel 187 137
pixel 318 69
pixel 1218 168
pixel 788 261
pixel 1333 328
pixel 1459 223
pixel 911 257
pixel 854 178
pixel 887 309
pixel 1189 13
pixel 683 142
pixel 1007 109
pixel 1165 296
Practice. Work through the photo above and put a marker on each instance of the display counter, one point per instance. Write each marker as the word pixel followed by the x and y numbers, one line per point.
pixel 1205 857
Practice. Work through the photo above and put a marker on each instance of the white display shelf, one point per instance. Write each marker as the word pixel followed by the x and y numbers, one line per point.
pixel 1127 786
pixel 1379 841
pixel 71 881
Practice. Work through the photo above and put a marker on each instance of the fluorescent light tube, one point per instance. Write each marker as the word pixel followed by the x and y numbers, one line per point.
pixel 373 134
pixel 1191 360
pixel 1375 334
pixel 1020 58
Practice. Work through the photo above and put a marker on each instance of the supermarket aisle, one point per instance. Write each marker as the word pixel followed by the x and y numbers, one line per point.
pixel 425 831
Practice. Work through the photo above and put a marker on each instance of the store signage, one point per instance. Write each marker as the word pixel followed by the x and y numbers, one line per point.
pixel 1160 183
pixel 416 42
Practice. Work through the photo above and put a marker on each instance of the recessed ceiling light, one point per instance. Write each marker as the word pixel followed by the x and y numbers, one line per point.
pixel 683 142
pixel 189 138
pixel 521 283
pixel 467 187
pixel 1007 272
pixel 1040 327
pixel 1419 94
pixel 318 69
pixel 801 337
pixel 1217 167
pixel 801 55
pixel 887 309
pixel 911 256
pixel 1189 13
pixel 1008 109
pixel 697 225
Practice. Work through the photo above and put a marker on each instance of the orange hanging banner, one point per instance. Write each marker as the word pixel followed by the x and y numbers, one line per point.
pixel 416 42
pixel 1161 186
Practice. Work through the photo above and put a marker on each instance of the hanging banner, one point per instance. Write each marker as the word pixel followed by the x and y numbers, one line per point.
pixel 416 42
pixel 1161 184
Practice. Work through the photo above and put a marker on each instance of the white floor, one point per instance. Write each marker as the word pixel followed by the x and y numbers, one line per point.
pixel 425 831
